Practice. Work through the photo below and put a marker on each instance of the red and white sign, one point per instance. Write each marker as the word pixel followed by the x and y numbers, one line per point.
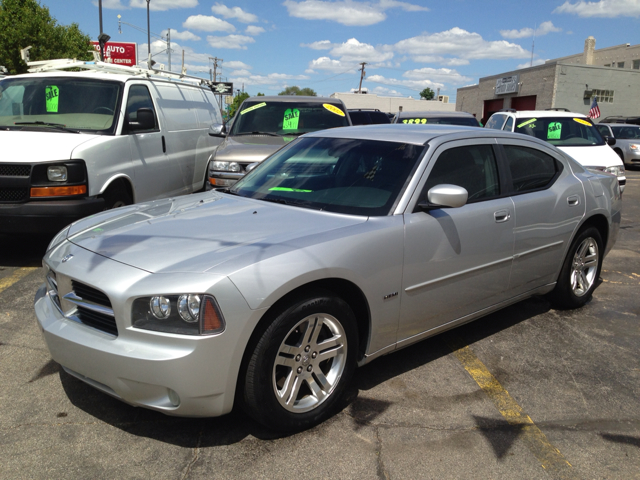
pixel 119 53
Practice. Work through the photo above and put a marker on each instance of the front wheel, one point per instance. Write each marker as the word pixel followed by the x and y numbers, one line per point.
pixel 302 363
pixel 580 271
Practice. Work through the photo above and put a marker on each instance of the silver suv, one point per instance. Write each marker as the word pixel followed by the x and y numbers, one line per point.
pixel 627 137
pixel 573 133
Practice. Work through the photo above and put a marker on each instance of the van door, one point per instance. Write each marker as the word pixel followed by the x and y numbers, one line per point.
pixel 154 174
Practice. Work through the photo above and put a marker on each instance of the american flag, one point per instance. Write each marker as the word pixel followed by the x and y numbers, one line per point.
pixel 595 110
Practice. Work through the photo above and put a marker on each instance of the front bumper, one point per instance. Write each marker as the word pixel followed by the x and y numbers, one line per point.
pixel 47 216
pixel 180 375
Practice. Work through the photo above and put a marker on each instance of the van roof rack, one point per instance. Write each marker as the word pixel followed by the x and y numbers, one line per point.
pixel 557 109
pixel 63 63
pixel 511 110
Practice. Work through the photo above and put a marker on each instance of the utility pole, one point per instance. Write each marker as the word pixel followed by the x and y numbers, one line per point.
pixel 362 74
pixel 169 47
pixel 148 38
pixel 215 66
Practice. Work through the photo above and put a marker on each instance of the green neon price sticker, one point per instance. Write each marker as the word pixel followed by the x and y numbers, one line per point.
pixel 286 189
pixel 291 119
pixel 52 94
pixel 251 109
pixel 554 131
pixel 524 124
pixel 421 121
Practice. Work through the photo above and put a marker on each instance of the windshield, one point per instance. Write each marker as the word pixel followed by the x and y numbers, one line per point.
pixel 465 121
pixel 287 118
pixel 626 132
pixel 79 104
pixel 561 131
pixel 359 177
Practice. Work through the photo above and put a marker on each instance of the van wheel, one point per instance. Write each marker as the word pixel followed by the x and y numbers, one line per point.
pixel 580 270
pixel 301 365
pixel 116 196
pixel 620 154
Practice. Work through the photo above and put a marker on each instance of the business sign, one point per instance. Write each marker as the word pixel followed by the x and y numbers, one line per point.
pixel 119 53
pixel 507 84
pixel 223 88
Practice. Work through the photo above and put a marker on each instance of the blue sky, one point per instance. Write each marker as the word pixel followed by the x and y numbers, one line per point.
pixel 408 45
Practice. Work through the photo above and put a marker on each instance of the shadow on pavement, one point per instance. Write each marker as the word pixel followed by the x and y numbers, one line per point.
pixel 23 250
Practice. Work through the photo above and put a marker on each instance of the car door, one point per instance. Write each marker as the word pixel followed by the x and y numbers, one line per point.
pixel 549 203
pixel 155 176
pixel 457 260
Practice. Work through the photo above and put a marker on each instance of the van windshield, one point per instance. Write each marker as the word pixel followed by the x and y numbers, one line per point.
pixel 287 118
pixel 80 104
pixel 561 131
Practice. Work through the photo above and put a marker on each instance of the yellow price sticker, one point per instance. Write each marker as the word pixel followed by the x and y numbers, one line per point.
pixel 583 122
pixel 333 109
pixel 250 109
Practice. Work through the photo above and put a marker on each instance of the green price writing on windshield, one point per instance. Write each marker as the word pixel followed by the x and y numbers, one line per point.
pixel 291 119
pixel 52 93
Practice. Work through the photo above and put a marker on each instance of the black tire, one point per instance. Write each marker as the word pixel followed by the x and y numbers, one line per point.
pixel 620 154
pixel 116 196
pixel 310 345
pixel 580 270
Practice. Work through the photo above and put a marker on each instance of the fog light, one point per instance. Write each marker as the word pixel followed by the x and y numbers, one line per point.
pixel 189 308
pixel 160 307
pixel 57 174
pixel 174 398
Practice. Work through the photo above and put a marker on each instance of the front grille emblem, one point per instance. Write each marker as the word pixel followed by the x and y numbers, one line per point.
pixel 67 258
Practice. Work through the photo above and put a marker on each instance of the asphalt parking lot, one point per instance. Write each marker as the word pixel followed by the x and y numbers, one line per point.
pixel 529 392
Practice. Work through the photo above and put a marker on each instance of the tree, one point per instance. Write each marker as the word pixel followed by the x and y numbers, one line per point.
pixel 26 23
pixel 260 94
pixel 427 94
pixel 238 99
pixel 299 91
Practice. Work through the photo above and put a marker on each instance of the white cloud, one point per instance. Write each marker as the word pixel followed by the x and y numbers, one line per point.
pixel 387 92
pixel 353 50
pixel 240 73
pixel 321 45
pixel 347 12
pixel 230 41
pixel 208 24
pixel 603 8
pixel 235 12
pixel 450 62
pixel 235 64
pixel 270 79
pixel 253 30
pixel 440 74
pixel 460 43
pixel 330 65
pixel 176 35
pixel 161 5
pixel 543 29
pixel 111 4
pixel 537 61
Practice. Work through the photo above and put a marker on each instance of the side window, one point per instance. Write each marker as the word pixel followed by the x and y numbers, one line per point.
pixel 495 121
pixel 604 131
pixel 139 97
pixel 509 125
pixel 531 169
pixel 472 167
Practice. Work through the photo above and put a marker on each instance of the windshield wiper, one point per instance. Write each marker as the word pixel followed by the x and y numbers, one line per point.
pixel 58 126
pixel 256 133
pixel 292 134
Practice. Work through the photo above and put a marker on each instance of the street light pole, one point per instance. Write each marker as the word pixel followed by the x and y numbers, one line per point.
pixel 148 38
pixel 101 45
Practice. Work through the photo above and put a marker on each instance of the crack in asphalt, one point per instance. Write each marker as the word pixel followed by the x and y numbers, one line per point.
pixel 381 470
pixel 196 453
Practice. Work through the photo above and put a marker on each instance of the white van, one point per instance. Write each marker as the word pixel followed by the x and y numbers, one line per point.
pixel 571 132
pixel 76 143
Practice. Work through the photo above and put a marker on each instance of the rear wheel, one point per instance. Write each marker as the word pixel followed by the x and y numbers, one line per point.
pixel 580 271
pixel 302 363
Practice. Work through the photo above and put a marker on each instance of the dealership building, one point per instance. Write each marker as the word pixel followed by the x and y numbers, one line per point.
pixel 612 74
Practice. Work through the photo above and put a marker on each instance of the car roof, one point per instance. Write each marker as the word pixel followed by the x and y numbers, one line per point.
pixel 543 113
pixel 294 99
pixel 419 134
pixel 620 124
pixel 432 113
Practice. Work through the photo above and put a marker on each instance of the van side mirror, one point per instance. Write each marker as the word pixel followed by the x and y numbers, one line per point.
pixel 611 141
pixel 218 130
pixel 146 120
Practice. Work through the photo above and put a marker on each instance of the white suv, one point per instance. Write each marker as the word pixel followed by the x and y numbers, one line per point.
pixel 573 133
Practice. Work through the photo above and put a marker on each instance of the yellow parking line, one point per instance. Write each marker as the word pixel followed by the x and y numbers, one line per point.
pixel 548 455
pixel 15 277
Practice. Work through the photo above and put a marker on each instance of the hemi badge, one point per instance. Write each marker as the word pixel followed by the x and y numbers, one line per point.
pixel 394 294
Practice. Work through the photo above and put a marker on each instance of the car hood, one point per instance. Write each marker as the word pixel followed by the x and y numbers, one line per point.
pixel 249 148
pixel 593 155
pixel 209 232
pixel 40 146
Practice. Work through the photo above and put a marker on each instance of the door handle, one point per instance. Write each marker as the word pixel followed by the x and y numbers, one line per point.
pixel 502 216
pixel 164 145
pixel 573 200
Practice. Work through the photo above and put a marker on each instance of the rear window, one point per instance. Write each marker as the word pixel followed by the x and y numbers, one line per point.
pixel 463 121
pixel 626 133
pixel 561 131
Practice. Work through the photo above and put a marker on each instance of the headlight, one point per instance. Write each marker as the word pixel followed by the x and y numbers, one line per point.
pixel 57 173
pixel 225 167
pixel 187 314
pixel 618 170
pixel 59 238
pixel 634 146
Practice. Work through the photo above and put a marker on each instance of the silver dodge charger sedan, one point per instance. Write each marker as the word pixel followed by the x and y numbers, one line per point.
pixel 343 246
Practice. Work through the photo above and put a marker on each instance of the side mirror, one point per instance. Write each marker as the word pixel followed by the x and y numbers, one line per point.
pixel 218 130
pixel 251 166
pixel 611 141
pixel 146 120
pixel 445 195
